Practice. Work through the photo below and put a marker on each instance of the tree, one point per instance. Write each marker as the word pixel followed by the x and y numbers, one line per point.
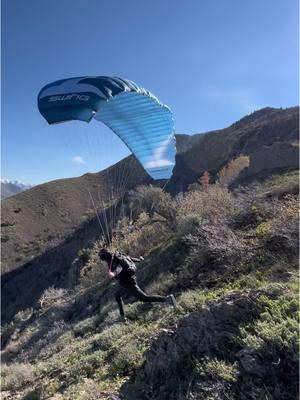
pixel 231 171
pixel 204 180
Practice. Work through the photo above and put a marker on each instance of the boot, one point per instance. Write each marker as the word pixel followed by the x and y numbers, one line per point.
pixel 121 318
pixel 171 300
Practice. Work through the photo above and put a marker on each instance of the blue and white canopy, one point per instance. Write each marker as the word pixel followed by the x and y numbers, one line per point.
pixel 144 124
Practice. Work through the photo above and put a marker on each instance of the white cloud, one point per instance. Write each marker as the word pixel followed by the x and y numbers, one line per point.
pixel 78 159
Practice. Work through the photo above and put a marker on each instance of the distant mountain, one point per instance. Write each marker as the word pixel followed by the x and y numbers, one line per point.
pixel 10 188
pixel 44 228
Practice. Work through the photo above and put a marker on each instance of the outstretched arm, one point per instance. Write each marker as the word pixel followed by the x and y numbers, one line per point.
pixel 134 259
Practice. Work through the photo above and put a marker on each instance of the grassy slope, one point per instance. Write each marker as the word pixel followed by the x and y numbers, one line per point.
pixel 234 334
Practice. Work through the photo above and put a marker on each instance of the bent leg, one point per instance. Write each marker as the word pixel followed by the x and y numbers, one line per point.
pixel 118 296
pixel 142 296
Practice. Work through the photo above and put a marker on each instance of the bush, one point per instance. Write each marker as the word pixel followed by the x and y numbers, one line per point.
pixel 84 255
pixel 232 170
pixel 16 375
pixel 188 224
pixel 263 230
pixel 217 370
pixel 251 209
pixel 143 235
pixel 111 335
pixel 89 389
pixel 53 296
pixel 47 338
pixel 286 220
pixel 153 200
pixel 191 300
pixel 217 245
pixel 127 358
pixel 277 327
pixel 92 274
pixel 212 206
pixel 271 347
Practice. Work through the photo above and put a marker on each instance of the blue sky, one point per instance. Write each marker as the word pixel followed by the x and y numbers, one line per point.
pixel 211 62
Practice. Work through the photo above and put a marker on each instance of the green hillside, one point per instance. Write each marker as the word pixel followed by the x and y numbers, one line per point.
pixel 229 257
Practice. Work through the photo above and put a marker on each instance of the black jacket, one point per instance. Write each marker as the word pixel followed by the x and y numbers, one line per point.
pixel 124 269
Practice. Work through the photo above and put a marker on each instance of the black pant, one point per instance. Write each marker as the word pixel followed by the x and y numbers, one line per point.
pixel 138 294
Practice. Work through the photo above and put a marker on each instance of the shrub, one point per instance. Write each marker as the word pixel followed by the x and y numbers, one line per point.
pixel 285 221
pixel 213 205
pixel 277 326
pixel 47 338
pixel 217 370
pixel 86 326
pixel 92 274
pixel 215 255
pixel 188 224
pixel 272 346
pixel 128 357
pixel 153 200
pixel 89 389
pixel 140 237
pixel 84 255
pixel 111 335
pixel 251 209
pixel 192 299
pixel 32 395
pixel 231 171
pixel 53 296
pixel 204 180
pixel 217 244
pixel 16 375
pixel 263 230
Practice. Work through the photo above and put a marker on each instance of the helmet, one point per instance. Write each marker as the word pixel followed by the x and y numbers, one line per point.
pixel 105 255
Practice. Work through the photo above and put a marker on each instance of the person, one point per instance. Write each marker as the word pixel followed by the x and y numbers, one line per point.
pixel 123 269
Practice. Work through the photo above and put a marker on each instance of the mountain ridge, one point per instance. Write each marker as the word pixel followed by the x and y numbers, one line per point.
pixel 215 149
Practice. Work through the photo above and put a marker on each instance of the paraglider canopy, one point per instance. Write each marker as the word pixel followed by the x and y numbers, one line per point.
pixel 144 124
